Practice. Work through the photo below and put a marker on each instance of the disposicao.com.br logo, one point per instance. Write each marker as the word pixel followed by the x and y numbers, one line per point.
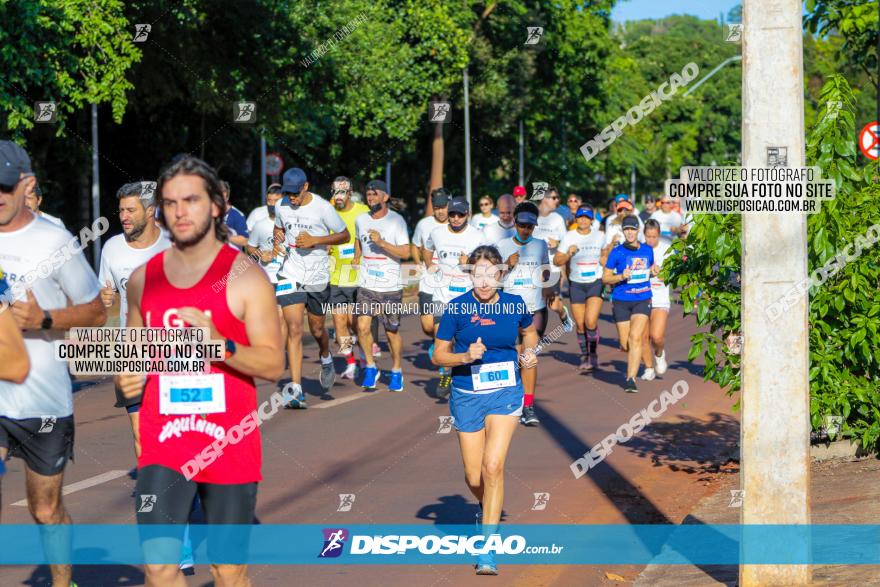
pixel 451 544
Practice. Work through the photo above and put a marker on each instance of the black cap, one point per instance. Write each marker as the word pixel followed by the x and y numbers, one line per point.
pixel 630 222
pixel 13 162
pixel 377 185
pixel 440 198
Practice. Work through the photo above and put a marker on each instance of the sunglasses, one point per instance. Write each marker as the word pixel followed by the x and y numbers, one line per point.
pixel 456 215
pixel 525 226
pixel 340 192
pixel 9 188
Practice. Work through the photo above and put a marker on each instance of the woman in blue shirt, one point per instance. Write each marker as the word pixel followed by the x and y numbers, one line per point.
pixel 629 269
pixel 477 338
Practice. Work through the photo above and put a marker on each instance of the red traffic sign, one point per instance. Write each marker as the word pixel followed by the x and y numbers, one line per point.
pixel 869 140
pixel 274 164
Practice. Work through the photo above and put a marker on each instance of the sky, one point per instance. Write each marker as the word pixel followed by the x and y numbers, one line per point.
pixel 639 9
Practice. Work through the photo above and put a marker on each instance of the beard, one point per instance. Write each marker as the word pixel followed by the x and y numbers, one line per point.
pixel 340 204
pixel 201 230
pixel 136 231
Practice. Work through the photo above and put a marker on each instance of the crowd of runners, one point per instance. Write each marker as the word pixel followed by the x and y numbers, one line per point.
pixel 489 284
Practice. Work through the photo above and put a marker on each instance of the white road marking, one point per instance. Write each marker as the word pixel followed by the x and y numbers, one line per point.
pixel 343 400
pixel 86 483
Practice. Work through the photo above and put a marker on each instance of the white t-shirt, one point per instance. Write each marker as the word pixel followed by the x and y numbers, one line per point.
pixel 380 272
pixel 551 227
pixel 318 218
pixel 667 221
pixel 612 229
pixel 526 278
pixel 480 222
pixel 53 219
pixel 41 244
pixel 262 236
pixel 118 262
pixel 495 233
pixel 257 214
pixel 420 235
pixel 450 281
pixel 584 266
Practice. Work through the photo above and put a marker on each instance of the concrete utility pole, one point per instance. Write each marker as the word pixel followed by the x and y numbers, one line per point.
pixel 96 187
pixel 467 140
pixel 775 472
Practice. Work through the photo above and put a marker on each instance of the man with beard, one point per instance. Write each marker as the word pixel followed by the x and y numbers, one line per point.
pixel 382 243
pixel 201 282
pixel 140 240
pixel 344 276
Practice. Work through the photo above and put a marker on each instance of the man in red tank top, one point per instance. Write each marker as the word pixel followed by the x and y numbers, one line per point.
pixel 201 282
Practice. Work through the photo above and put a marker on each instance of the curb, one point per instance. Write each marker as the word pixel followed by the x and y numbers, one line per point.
pixel 839 449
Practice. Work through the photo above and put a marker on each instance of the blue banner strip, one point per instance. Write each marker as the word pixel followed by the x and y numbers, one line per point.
pixel 422 544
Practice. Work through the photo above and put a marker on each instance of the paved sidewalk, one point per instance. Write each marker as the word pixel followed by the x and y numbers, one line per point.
pixel 844 491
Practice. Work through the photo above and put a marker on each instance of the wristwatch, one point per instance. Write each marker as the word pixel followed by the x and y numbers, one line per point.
pixel 47 320
pixel 230 348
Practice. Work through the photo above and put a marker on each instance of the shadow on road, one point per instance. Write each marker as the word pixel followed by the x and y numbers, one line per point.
pixel 689 445
pixel 451 509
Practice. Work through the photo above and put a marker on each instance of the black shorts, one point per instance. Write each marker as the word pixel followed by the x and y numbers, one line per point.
pixel 623 310
pixel 316 300
pixel 578 293
pixel 44 444
pixel 343 295
pixel 164 496
pixel 425 300
pixel 383 305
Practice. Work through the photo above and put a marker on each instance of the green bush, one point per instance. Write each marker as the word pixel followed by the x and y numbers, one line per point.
pixel 844 312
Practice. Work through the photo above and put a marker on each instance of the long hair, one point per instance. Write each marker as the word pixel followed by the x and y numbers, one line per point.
pixel 190 165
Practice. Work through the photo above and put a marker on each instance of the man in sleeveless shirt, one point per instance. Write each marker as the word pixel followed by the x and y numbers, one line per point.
pixel 201 282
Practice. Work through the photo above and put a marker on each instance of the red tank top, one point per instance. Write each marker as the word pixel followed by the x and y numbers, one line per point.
pixel 175 440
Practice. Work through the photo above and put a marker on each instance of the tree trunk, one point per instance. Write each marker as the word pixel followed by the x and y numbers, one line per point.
pixel 437 152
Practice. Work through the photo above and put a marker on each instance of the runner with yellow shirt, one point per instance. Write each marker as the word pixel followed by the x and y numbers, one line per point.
pixel 344 276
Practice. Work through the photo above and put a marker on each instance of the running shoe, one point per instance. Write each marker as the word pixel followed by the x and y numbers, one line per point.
pixel 585 363
pixel 328 375
pixel 568 323
pixel 486 564
pixel 594 361
pixel 377 351
pixel 297 398
pixel 346 344
pixel 444 385
pixel 661 363
pixel 371 374
pixel 350 371
pixel 529 418
pixel 631 386
pixel 649 374
pixel 396 383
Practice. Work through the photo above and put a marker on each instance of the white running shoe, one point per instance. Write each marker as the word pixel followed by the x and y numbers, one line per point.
pixel 648 375
pixel 661 363
pixel 350 371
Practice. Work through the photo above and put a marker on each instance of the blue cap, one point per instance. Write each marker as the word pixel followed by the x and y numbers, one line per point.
pixel 588 212
pixel 526 217
pixel 13 162
pixel 293 181
pixel 620 197
pixel 458 205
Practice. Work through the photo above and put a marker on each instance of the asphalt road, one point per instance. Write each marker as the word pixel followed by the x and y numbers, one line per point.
pixel 386 450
